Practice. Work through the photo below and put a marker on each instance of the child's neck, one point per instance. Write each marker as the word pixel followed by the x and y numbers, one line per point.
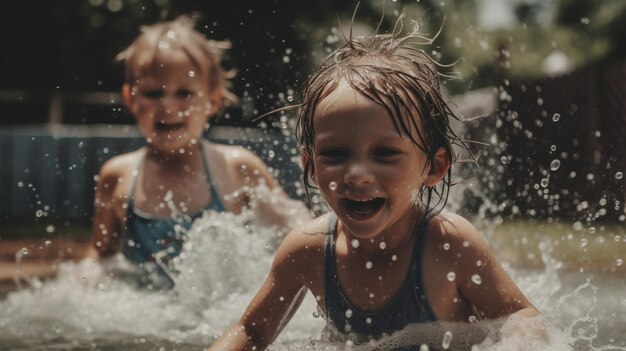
pixel 175 158
pixel 393 240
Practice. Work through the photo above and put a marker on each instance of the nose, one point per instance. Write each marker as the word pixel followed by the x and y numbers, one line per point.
pixel 358 173
pixel 168 105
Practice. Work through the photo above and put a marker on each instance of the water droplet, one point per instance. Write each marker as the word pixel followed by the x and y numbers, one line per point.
pixel 447 340
pixel 554 165
pixel 619 262
pixel 394 257
pixel 552 147
pixel 544 182
pixel 332 186
pixel 50 228
pixel 504 160
pixel 368 320
pixel 47 243
pixel 619 175
pixel 192 74
pixel 348 313
pixel 476 279
pixel 355 243
pixel 451 276
pixel 556 117
pixel 446 246
pixel 424 347
pixel 578 226
pixel 383 245
pixel 472 319
pixel 368 265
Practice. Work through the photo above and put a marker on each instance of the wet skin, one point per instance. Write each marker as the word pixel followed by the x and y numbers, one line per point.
pixel 171 102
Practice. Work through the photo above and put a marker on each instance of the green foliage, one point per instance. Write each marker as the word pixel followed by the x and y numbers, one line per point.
pixel 584 31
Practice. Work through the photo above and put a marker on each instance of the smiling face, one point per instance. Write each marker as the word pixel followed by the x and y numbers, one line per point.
pixel 171 102
pixel 368 172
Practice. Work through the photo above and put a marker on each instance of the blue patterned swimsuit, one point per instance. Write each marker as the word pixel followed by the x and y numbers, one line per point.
pixel 151 242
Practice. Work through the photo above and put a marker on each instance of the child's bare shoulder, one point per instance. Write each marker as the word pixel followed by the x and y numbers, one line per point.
pixel 301 254
pixel 453 229
pixel 306 242
pixel 311 233
pixel 237 157
pixel 120 166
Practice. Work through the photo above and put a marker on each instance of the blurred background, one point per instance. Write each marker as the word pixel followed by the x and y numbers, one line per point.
pixel 543 82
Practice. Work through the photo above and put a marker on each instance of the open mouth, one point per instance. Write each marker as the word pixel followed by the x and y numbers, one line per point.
pixel 168 127
pixel 363 208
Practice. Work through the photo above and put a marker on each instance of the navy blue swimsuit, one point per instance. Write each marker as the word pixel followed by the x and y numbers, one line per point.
pixel 151 242
pixel 408 306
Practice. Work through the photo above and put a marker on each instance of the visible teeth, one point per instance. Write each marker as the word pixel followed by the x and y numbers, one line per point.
pixel 363 200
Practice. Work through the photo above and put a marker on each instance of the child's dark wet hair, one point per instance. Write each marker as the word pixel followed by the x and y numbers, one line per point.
pixel 398 74
pixel 179 34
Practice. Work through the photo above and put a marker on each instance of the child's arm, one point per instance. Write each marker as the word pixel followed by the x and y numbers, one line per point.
pixel 276 301
pixel 264 194
pixel 481 287
pixel 479 276
pixel 106 225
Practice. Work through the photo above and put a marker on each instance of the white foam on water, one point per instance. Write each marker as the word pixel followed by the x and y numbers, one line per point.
pixel 225 259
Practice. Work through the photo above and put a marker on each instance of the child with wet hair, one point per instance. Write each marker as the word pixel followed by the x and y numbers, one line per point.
pixel 376 140
pixel 147 199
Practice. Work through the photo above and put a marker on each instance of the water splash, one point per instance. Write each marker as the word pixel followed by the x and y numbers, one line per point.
pixel 224 261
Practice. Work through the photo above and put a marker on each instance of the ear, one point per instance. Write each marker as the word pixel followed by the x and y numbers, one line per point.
pixel 216 99
pixel 307 161
pixel 127 96
pixel 440 166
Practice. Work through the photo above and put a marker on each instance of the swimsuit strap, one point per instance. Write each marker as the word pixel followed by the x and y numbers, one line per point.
pixel 329 253
pixel 216 203
pixel 417 270
pixel 133 184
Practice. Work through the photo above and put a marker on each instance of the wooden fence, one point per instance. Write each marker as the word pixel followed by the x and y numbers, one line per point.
pixel 562 145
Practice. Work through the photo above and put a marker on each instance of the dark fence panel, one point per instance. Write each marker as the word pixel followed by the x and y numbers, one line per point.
pixel 49 173
pixel 564 145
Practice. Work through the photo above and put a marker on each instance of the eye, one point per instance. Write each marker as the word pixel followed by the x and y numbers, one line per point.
pixel 387 153
pixel 332 154
pixel 153 94
pixel 184 93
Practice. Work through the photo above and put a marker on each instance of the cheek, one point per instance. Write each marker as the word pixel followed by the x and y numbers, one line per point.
pixel 144 119
pixel 324 176
pixel 144 109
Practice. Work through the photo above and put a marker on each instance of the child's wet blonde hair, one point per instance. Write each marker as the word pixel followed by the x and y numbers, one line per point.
pixel 396 73
pixel 179 34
